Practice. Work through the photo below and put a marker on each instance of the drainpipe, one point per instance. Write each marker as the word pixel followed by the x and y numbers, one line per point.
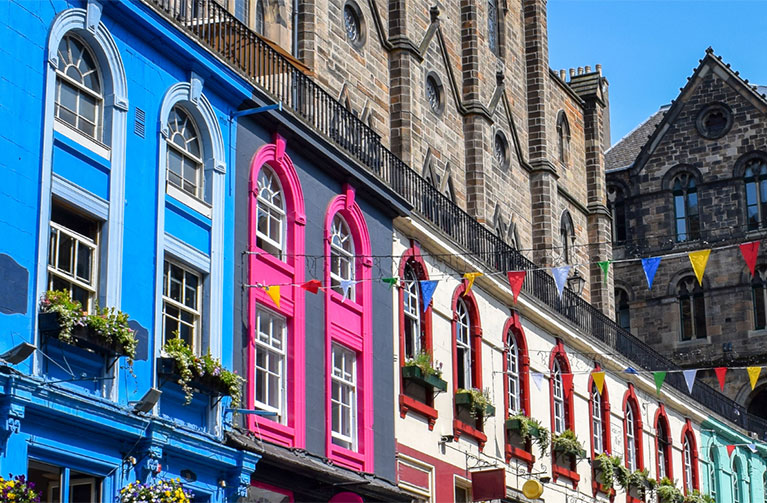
pixel 295 28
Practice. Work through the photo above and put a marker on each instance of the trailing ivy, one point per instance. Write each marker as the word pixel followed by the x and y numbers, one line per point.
pixel 526 427
pixel 667 492
pixel 610 467
pixel 567 443
pixel 480 400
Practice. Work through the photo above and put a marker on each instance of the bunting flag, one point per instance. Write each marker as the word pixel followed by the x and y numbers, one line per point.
pixel 752 447
pixel 689 377
pixel 699 259
pixel 599 380
pixel 516 278
pixel 650 266
pixel 560 277
pixel 538 380
pixel 390 281
pixel 567 382
pixel 730 448
pixel 630 370
pixel 659 378
pixel 274 293
pixel 427 292
pixel 749 252
pixel 605 266
pixel 470 277
pixel 753 375
pixel 346 285
pixel 312 286
pixel 720 373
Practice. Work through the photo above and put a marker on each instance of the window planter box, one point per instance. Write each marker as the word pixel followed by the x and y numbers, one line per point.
pixel 599 485
pixel 516 424
pixel 208 384
pixel 415 374
pixel 466 400
pixel 83 337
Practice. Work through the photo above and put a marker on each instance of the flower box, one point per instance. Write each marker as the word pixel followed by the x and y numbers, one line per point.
pixel 207 383
pixel 513 424
pixel 466 399
pixel 414 373
pixel 82 336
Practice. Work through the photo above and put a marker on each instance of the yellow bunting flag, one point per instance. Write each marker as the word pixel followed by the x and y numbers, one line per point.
pixel 470 276
pixel 599 380
pixel 753 375
pixel 698 259
pixel 274 293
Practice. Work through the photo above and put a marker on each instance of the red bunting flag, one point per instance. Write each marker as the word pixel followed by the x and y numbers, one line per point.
pixel 567 383
pixel 312 286
pixel 750 251
pixel 730 448
pixel 516 278
pixel 720 372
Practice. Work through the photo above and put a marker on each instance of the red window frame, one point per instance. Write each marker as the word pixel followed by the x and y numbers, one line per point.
pixel 662 419
pixel 513 328
pixel 604 399
pixel 558 354
pixel 459 427
pixel 412 257
pixel 689 434
pixel 630 400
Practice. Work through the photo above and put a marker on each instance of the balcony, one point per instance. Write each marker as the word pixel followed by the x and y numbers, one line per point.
pixel 279 76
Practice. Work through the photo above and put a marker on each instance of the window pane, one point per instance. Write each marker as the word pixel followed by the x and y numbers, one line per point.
pixel 84 262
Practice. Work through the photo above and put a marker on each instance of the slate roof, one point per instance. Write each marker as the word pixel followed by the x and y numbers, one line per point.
pixel 624 152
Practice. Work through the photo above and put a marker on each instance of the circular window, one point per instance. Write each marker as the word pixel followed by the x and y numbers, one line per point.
pixel 714 121
pixel 434 93
pixel 354 25
pixel 501 150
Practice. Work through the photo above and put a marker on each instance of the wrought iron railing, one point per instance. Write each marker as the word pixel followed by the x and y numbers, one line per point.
pixel 225 36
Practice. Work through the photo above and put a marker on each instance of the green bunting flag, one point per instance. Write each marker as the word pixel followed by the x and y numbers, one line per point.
pixel 605 265
pixel 390 281
pixel 659 378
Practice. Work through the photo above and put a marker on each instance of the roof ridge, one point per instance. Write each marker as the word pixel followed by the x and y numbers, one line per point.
pixel 662 108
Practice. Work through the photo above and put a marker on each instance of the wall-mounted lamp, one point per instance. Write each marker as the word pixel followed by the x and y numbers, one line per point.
pixel 18 353
pixel 221 483
pixel 188 475
pixel 147 402
pixel 576 282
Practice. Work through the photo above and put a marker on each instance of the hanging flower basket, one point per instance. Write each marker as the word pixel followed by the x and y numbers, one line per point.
pixel 162 491
pixel 18 490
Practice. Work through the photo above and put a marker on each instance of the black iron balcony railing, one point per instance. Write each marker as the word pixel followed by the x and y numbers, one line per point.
pixel 265 67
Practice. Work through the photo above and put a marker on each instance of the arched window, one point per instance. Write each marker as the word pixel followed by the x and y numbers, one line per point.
pixel 759 297
pixel 463 351
pixel 563 138
pixel 559 399
pixel 259 26
pixel 687 455
pixel 692 309
pixel 342 258
pixel 686 214
pixel 632 431
pixel 755 177
pixel 561 406
pixel 467 359
pixel 617 205
pixel 79 92
pixel 493 32
pixel 184 154
pixel 270 231
pixel 566 237
pixel 516 368
pixel 622 313
pixel 689 459
pixel 411 307
pixel 599 405
pixel 663 445
pixel 713 478
pixel 737 489
pixel 512 376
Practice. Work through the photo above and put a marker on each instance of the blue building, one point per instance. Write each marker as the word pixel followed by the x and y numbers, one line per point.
pixel 117 186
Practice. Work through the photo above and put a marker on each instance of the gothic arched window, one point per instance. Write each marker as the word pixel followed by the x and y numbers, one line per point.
pixel 692 309
pixel 755 176
pixel 686 214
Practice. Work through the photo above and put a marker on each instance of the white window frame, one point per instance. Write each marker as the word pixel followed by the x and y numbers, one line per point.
pixel 340 255
pixel 196 313
pixel 687 459
pixel 187 156
pixel 272 340
pixel 736 488
pixel 597 437
pixel 62 79
pixel 411 307
pixel 275 214
pixel 463 341
pixel 512 375
pixel 631 444
pixel 53 256
pixel 344 378
pixel 558 398
pixel 662 435
pixel 712 473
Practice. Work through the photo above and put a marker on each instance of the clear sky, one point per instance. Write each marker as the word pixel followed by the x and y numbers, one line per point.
pixel 648 48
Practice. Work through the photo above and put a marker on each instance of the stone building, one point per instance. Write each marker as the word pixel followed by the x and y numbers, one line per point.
pixel 692 177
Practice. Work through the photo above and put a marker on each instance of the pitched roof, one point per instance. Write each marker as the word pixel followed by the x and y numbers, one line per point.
pixel 625 151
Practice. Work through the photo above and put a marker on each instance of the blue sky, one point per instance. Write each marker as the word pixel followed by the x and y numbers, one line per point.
pixel 648 48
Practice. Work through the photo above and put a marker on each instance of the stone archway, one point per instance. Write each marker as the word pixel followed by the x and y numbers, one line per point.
pixel 757 402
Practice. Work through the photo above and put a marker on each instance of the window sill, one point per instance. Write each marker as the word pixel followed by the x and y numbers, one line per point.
pixel 407 404
pixel 272 431
pixel 520 454
pixel 338 299
pixel 757 333
pixel 346 457
pixel 561 471
pixel 193 203
pixel 693 342
pixel 273 261
pixel 459 427
pixel 80 138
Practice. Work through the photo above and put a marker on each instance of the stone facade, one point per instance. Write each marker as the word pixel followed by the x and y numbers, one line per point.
pixel 644 170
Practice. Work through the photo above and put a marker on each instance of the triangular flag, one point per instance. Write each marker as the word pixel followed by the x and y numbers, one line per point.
pixel 699 259
pixel 274 293
pixel 537 379
pixel 720 372
pixel 650 266
pixel 730 448
pixel 753 375
pixel 427 292
pixel 346 285
pixel 750 251
pixel 312 286
pixel 599 380
pixel 605 265
pixel 689 377
pixel 470 277
pixel 560 277
pixel 630 370
pixel 659 376
pixel 752 447
pixel 567 382
pixel 516 278
pixel 390 281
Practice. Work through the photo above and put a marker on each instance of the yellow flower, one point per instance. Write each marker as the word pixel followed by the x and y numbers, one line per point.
pixel 11 496
pixel 11 483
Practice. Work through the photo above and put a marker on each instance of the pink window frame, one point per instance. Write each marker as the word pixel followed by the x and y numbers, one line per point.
pixel 278 490
pixel 349 324
pixel 263 268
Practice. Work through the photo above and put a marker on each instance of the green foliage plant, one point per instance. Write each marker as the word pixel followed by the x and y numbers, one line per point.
pixel 667 492
pixel 424 362
pixel 638 479
pixel 695 496
pixel 610 468
pixel 526 427
pixel 567 443
pixel 479 401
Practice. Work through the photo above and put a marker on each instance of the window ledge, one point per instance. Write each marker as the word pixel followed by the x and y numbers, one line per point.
pixel 407 404
pixel 273 261
pixel 86 141
pixel 561 471
pixel 520 454
pixel 346 457
pixel 339 299
pixel 757 333
pixel 459 427
pixel 692 343
pixel 193 203
pixel 272 431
